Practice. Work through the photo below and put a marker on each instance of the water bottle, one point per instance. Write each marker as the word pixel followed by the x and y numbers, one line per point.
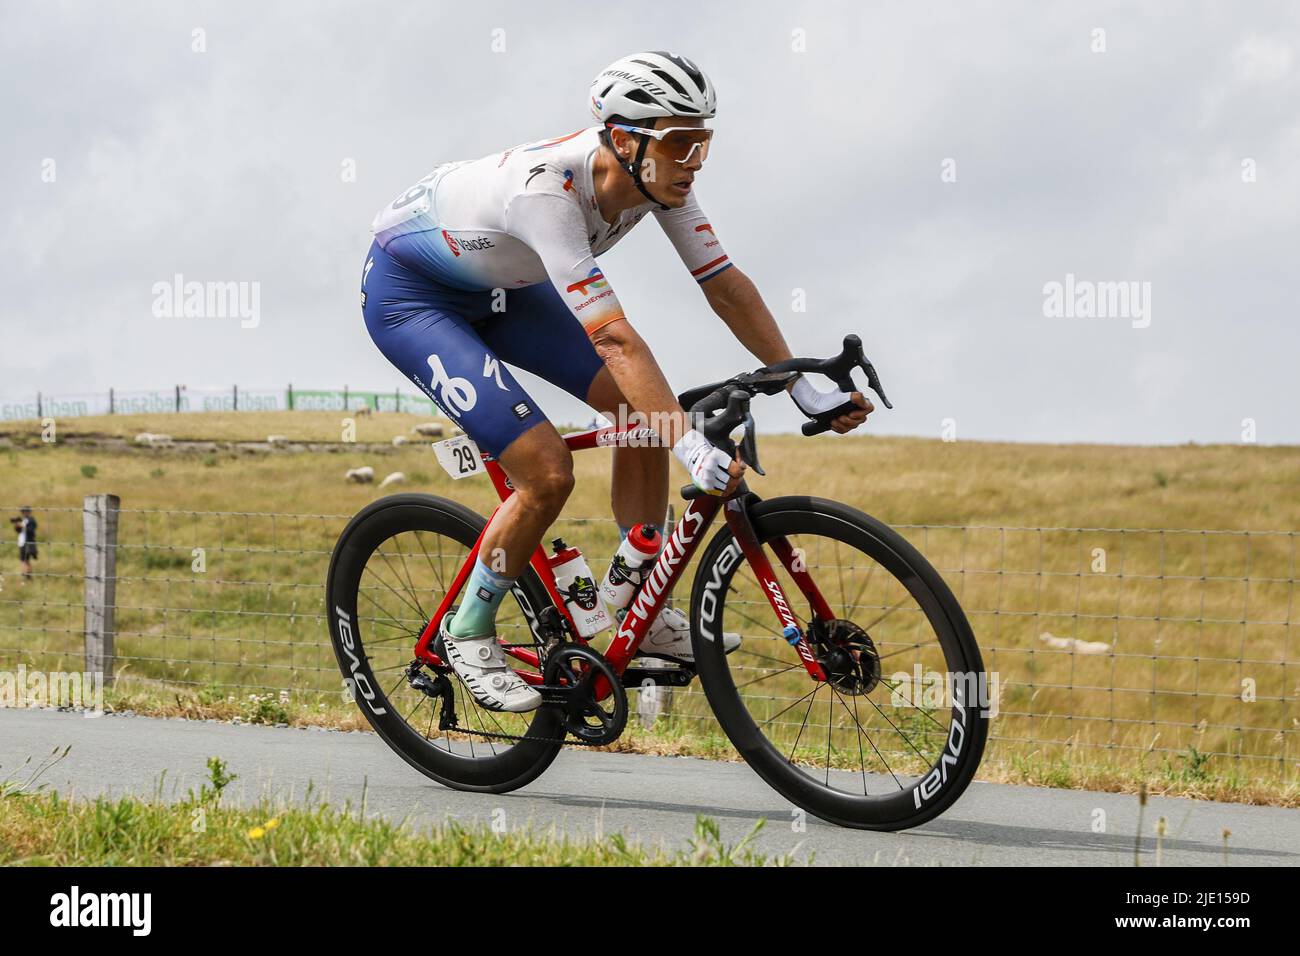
pixel 633 559
pixel 576 585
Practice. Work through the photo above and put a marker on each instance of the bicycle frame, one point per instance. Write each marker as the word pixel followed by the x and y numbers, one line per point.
pixel 678 550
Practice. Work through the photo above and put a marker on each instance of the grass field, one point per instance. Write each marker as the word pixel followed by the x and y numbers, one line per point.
pixel 39 828
pixel 1193 690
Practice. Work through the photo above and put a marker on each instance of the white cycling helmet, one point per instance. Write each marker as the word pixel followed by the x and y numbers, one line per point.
pixel 646 85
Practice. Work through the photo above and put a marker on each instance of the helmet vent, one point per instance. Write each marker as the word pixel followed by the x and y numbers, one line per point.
pixel 640 96
pixel 671 82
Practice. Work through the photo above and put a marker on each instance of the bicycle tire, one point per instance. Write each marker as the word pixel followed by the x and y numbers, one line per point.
pixel 807 515
pixel 379 521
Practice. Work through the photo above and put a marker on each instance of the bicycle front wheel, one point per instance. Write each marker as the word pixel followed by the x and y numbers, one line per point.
pixel 894 734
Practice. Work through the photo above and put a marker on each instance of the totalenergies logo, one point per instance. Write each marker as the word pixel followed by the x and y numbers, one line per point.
pixel 595 280
pixel 568 180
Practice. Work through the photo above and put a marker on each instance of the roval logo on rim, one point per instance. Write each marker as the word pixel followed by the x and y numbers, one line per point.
pixel 933 782
pixel 709 601
pixel 359 681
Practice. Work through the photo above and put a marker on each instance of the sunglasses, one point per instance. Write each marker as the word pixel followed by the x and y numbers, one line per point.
pixel 678 143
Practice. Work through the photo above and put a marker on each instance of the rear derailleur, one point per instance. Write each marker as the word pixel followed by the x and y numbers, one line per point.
pixel 577 680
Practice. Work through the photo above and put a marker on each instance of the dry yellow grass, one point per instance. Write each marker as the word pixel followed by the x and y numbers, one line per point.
pixel 1189 617
pixel 230 426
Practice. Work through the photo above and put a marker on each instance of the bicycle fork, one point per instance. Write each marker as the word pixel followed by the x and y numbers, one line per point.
pixel 742 529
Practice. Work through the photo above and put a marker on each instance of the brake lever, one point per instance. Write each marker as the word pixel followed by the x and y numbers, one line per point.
pixel 841 370
pixel 873 383
pixel 749 446
pixel 730 402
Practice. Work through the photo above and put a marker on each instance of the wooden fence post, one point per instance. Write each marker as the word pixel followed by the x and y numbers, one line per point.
pixel 99 531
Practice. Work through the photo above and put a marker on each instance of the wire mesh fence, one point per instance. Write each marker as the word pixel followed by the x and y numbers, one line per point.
pixel 1123 642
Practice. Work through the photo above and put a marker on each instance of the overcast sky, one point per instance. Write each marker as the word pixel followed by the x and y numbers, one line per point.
pixel 836 124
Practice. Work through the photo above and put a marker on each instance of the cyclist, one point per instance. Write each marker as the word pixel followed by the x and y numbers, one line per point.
pixel 492 261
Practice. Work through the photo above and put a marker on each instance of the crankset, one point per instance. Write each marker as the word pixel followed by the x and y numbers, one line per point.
pixel 847 655
pixel 572 675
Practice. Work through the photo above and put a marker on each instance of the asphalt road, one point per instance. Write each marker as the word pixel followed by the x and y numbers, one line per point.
pixel 652 799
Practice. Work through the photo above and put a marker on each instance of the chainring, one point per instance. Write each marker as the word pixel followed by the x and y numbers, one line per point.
pixel 572 673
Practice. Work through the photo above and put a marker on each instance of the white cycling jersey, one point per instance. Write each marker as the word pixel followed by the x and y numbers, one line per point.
pixel 528 215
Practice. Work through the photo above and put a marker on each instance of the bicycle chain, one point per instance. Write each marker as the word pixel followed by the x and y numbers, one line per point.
pixel 562 741
pixel 566 739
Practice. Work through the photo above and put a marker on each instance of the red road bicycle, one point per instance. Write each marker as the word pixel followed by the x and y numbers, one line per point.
pixel 831 698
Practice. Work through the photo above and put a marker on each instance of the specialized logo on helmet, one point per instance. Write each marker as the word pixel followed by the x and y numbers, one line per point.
pixel 644 82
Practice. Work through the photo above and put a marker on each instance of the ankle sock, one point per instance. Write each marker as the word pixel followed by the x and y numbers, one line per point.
pixel 482 596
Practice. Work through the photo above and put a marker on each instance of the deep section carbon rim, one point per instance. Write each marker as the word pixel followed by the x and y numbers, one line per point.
pixel 896 732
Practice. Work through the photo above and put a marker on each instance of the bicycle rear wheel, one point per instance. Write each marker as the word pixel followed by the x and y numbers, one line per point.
pixel 895 736
pixel 389 571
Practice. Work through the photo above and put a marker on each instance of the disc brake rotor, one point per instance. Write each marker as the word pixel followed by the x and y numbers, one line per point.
pixel 848 656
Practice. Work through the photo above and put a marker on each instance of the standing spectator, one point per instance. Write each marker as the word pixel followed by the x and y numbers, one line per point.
pixel 25 525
